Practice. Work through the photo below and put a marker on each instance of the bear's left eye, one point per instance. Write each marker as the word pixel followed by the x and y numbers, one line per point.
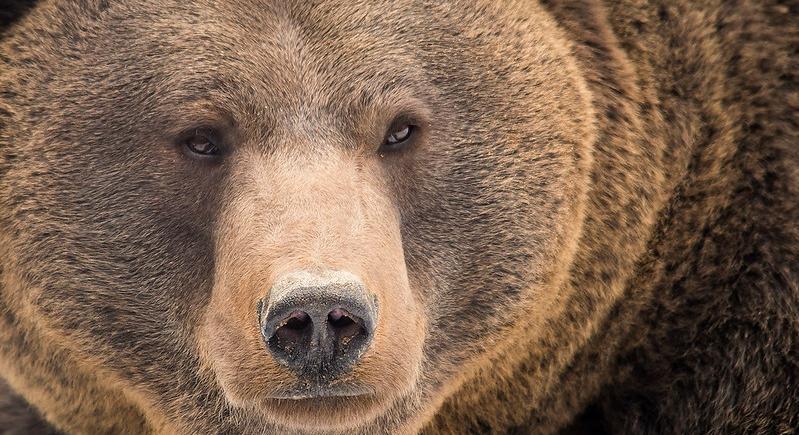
pixel 202 145
pixel 398 135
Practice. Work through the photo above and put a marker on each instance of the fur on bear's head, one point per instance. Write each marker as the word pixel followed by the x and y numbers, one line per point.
pixel 134 271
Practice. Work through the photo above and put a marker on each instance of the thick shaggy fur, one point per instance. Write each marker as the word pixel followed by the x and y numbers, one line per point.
pixel 596 231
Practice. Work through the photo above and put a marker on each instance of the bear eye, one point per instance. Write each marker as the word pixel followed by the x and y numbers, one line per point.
pixel 202 145
pixel 398 135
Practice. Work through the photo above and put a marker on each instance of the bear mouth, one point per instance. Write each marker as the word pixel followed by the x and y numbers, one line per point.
pixel 315 392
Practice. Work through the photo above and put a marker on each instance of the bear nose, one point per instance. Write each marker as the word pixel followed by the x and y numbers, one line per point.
pixel 318 326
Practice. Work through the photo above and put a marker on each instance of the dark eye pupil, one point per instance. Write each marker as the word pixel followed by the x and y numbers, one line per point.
pixel 201 145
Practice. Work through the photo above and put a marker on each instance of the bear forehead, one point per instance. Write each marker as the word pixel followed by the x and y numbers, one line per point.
pixel 287 50
pixel 263 60
pixel 331 66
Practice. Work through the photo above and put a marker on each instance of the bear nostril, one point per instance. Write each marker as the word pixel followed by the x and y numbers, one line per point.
pixel 336 315
pixel 344 323
pixel 294 331
pixel 298 320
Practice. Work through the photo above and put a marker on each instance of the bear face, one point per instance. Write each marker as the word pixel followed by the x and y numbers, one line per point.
pixel 173 173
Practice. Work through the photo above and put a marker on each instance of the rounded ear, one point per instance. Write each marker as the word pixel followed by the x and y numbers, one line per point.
pixel 13 10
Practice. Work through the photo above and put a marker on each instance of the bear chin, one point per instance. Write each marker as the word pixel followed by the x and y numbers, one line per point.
pixel 335 413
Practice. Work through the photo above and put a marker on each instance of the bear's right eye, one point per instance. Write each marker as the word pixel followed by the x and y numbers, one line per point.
pixel 202 145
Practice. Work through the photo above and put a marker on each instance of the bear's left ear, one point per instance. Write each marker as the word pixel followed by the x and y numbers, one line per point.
pixel 13 10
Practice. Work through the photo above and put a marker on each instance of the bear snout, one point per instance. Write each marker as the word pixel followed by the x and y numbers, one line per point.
pixel 318 326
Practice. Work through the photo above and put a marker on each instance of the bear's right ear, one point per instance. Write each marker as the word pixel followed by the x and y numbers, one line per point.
pixel 13 10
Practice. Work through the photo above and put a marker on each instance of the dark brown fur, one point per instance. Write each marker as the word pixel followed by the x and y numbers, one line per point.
pixel 599 225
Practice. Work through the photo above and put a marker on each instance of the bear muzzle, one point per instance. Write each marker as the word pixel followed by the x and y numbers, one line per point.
pixel 318 326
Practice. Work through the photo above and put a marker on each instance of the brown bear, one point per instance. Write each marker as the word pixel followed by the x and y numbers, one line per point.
pixel 460 216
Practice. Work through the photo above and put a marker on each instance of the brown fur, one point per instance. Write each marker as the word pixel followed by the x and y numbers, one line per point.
pixel 594 231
